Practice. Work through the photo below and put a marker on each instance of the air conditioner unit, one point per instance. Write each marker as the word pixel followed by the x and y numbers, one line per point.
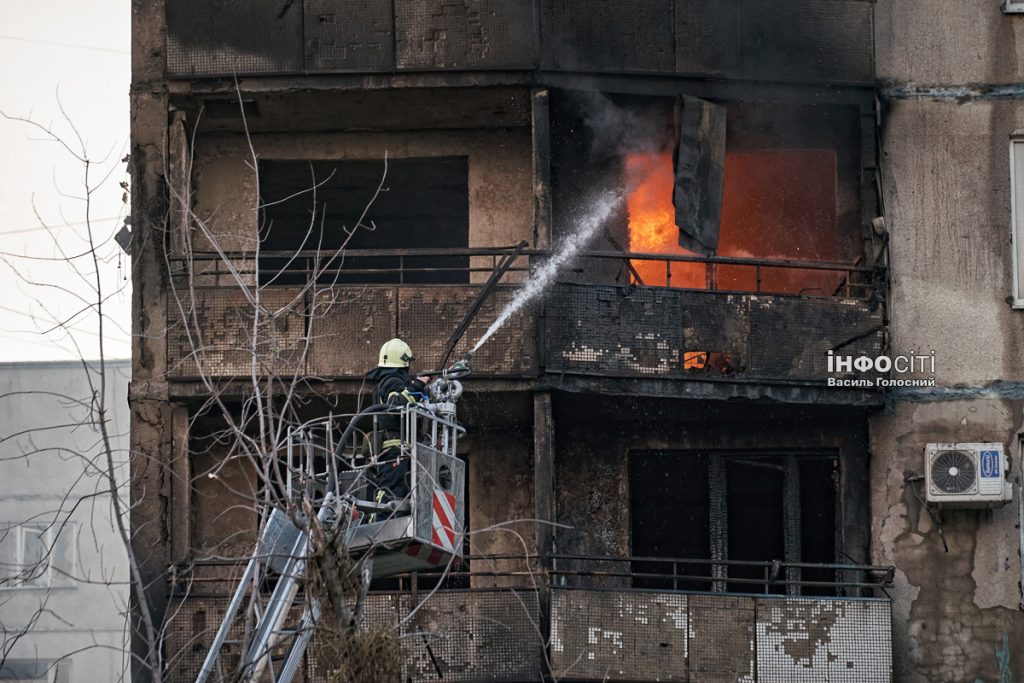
pixel 1013 7
pixel 967 474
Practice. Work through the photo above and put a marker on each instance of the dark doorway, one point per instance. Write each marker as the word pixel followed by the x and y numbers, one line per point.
pixel 669 517
pixel 756 525
pixel 310 207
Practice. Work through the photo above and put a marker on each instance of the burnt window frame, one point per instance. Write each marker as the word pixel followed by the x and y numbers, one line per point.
pixel 717 462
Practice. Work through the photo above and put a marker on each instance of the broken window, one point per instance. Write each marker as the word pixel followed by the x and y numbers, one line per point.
pixel 746 506
pixel 309 208
pixel 758 181
pixel 780 197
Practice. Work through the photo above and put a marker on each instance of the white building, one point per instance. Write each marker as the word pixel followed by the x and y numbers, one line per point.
pixel 63 567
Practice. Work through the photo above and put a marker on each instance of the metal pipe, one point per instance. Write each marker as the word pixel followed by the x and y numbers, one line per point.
pixel 474 307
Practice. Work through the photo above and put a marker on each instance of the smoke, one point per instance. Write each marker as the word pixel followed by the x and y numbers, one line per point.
pixel 620 130
pixel 570 245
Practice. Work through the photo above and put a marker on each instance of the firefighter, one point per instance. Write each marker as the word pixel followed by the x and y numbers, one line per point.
pixel 395 387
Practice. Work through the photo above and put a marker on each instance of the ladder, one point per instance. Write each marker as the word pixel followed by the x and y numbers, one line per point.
pixel 389 538
pixel 282 547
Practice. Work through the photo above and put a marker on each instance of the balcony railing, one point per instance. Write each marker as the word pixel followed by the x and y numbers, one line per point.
pixel 456 266
pixel 740 320
pixel 586 620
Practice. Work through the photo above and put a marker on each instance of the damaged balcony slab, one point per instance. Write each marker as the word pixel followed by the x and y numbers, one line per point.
pixel 646 635
pixel 645 336
pixel 721 390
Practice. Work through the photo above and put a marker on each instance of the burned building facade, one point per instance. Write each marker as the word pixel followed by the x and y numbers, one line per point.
pixel 672 472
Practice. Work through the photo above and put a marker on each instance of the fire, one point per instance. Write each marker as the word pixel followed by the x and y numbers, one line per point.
pixel 652 223
pixel 777 204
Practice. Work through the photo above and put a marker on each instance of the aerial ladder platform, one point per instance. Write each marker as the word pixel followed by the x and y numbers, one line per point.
pixel 330 466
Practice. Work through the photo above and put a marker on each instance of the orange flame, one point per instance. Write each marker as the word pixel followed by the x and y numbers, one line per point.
pixel 777 204
pixel 652 223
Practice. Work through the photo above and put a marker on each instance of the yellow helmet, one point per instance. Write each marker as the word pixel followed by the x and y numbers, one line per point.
pixel 395 354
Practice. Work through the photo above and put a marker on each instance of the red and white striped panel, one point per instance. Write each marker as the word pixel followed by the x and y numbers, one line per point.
pixel 426 553
pixel 444 520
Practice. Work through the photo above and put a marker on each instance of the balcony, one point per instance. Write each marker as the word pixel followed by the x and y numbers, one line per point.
pixel 742 328
pixel 599 626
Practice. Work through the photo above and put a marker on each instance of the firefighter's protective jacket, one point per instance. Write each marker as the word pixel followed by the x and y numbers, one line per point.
pixel 397 388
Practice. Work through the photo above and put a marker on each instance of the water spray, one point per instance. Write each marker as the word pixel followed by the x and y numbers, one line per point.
pixel 586 229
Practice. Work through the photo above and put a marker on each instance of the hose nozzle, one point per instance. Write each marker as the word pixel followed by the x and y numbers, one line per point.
pixel 459 368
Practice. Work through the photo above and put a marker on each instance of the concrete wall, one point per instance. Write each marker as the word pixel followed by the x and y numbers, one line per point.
pixel 54 472
pixel 951 610
pixel 947 42
pixel 947 200
pixel 500 497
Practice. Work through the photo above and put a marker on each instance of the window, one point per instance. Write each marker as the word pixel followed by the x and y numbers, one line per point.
pixel 424 204
pixel 770 182
pixel 746 506
pixel 37 555
pixel 35 670
pixel 1017 215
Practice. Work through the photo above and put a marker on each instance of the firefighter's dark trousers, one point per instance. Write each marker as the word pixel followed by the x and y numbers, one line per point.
pixel 391 476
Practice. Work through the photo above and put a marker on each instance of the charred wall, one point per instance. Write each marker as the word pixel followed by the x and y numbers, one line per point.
pixel 499 455
pixel 489 127
pixel 501 500
pixel 223 518
pixel 150 478
pixel 796 40
pixel 648 332
pixel 595 435
pixel 219 516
